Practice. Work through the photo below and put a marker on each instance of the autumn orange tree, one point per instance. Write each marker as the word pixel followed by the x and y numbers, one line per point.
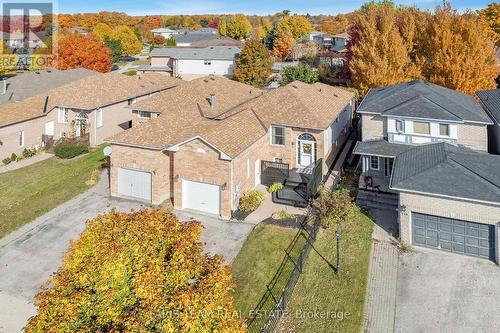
pixel 254 64
pixel 89 52
pixel 491 14
pixel 282 46
pixel 138 272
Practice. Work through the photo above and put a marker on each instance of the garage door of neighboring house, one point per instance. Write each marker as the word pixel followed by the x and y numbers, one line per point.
pixel 201 196
pixel 474 239
pixel 134 183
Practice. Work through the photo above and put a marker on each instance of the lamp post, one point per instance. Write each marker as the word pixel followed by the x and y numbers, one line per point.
pixel 338 234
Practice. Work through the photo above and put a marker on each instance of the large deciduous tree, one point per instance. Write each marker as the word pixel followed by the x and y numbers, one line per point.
pixel 282 46
pixel 138 272
pixel 131 45
pixel 377 55
pixel 102 30
pixel 297 26
pixel 254 64
pixel 237 27
pixel 492 15
pixel 83 51
pixel 304 73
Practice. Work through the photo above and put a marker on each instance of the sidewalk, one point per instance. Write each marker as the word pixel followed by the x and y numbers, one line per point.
pixel 380 304
pixel 23 163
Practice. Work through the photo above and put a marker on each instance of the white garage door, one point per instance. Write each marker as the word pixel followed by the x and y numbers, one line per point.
pixel 134 183
pixel 201 196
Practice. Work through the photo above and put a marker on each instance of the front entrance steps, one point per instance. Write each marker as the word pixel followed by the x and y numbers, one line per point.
pixel 375 199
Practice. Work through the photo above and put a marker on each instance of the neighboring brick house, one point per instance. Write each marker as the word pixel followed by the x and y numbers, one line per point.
pixel 490 100
pixel 426 146
pixel 205 148
pixel 95 105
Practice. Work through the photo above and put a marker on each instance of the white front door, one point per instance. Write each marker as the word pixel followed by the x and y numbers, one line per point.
pixel 78 128
pixel 257 173
pixel 49 128
pixel 134 183
pixel 306 153
pixel 201 196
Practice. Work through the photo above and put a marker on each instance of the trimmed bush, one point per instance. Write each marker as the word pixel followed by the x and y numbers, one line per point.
pixel 29 152
pixel 13 157
pixel 275 187
pixel 251 200
pixel 70 150
pixel 131 72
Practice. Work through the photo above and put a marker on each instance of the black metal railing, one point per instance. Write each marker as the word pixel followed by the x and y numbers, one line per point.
pixel 273 304
pixel 274 172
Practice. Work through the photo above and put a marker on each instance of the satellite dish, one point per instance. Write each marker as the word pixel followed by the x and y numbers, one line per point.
pixel 107 151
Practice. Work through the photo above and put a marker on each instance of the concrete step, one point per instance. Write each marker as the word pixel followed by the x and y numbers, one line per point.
pixel 377 200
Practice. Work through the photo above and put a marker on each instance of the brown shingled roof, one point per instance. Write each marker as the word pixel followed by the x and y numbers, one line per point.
pixel 242 114
pixel 86 94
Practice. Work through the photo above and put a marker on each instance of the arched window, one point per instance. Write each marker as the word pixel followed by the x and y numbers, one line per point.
pixel 307 137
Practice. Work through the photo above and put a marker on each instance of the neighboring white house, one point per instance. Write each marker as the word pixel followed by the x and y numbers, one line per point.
pixel 16 40
pixel 189 63
pixel 164 32
pixel 337 43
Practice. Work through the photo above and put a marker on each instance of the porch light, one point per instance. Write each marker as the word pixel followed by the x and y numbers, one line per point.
pixel 176 178
pixel 224 186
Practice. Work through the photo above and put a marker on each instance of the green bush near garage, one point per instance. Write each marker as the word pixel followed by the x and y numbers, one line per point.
pixel 66 151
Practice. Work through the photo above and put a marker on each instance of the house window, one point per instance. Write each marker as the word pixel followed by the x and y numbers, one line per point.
pixel 420 127
pixel 62 115
pixel 444 130
pixel 21 138
pixel 277 160
pixel 144 114
pixel 131 101
pixel 400 126
pixel 374 162
pixel 99 117
pixel 278 135
pixel 208 62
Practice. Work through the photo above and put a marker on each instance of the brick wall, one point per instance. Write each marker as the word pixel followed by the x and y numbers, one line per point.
pixel 473 136
pixel 153 161
pixel 456 209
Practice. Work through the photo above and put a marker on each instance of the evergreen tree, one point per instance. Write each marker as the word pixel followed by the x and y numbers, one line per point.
pixel 115 46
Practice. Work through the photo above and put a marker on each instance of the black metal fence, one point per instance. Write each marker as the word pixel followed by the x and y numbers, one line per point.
pixel 274 172
pixel 316 179
pixel 268 313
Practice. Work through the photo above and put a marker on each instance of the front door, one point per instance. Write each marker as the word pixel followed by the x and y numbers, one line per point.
pixel 78 128
pixel 306 153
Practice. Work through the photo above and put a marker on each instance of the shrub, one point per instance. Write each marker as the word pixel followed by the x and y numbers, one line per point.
pixel 13 157
pixel 283 215
pixel 131 72
pixel 70 150
pixel 29 152
pixel 275 187
pixel 6 160
pixel 138 272
pixel 251 200
pixel 334 207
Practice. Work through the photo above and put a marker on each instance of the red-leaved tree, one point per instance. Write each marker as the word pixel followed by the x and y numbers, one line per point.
pixel 83 51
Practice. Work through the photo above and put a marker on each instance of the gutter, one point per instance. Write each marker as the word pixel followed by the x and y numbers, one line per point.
pixel 444 196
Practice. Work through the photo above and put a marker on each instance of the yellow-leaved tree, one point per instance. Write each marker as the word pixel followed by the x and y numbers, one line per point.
pixel 492 15
pixel 102 30
pixel 297 26
pixel 131 45
pixel 8 60
pixel 138 272
pixel 237 27
pixel 377 53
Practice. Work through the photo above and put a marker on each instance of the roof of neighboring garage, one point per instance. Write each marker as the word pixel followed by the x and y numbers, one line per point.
pixel 451 171
pixel 86 94
pixel 149 68
pixel 490 99
pixel 194 36
pixel 28 84
pixel 380 148
pixel 424 100
pixel 193 53
pixel 238 116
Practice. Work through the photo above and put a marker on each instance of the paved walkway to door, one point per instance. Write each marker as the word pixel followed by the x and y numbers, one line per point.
pixel 25 162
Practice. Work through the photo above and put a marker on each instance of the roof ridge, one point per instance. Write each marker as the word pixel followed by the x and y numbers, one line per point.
pixel 472 171
pixel 433 102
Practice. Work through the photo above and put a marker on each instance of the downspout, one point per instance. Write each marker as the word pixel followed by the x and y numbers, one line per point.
pixel 95 126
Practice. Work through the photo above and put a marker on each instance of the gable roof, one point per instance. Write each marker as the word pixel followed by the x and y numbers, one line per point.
pixel 446 170
pixel 381 148
pixel 193 53
pixel 490 99
pixel 28 84
pixel 86 94
pixel 422 99
pixel 241 116
pixel 193 36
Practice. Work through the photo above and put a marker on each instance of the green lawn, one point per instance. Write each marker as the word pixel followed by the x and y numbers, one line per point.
pixel 257 263
pixel 320 291
pixel 36 189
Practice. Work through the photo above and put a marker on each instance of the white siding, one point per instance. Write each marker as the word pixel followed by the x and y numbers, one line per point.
pixel 217 67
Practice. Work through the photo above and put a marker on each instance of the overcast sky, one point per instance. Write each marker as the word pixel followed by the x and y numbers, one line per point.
pixel 259 7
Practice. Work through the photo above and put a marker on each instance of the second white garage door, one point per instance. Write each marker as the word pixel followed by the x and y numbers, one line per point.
pixel 134 183
pixel 201 196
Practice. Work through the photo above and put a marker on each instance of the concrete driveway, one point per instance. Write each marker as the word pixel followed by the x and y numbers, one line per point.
pixel 31 254
pixel 444 292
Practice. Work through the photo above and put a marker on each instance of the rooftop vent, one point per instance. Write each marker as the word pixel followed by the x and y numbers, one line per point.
pixel 213 101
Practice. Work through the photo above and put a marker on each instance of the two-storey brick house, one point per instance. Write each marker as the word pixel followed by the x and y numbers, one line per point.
pixel 426 146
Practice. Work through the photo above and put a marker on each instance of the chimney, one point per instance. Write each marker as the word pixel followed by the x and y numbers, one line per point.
pixel 4 88
pixel 212 101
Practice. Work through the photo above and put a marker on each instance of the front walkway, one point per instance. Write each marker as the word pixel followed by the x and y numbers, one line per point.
pixel 25 162
pixel 380 303
pixel 268 207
